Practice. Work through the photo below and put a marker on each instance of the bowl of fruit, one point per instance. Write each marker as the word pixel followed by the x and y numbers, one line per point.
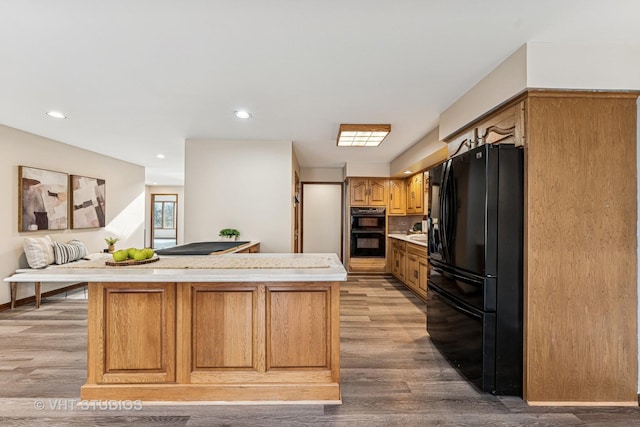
pixel 133 256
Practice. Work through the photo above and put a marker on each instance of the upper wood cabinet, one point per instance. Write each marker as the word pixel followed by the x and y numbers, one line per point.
pixel 415 194
pixel 368 191
pixel 397 197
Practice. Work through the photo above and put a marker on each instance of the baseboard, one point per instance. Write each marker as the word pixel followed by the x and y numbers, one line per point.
pixel 563 403
pixel 32 298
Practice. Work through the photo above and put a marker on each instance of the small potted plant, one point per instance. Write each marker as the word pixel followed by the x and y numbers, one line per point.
pixel 229 234
pixel 111 241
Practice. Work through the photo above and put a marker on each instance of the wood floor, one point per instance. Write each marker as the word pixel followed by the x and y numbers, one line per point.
pixel 391 376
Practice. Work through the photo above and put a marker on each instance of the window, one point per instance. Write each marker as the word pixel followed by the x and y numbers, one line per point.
pixel 164 220
pixel 164 214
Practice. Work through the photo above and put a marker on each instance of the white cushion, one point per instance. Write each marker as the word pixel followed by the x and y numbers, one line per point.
pixel 67 252
pixel 39 251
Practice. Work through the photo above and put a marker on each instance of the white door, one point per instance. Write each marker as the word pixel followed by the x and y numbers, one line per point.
pixel 322 218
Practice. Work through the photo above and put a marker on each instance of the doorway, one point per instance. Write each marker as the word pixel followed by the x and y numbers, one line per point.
pixel 322 217
pixel 164 220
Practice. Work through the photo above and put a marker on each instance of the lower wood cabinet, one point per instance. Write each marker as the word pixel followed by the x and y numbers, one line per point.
pixel 136 335
pixel 409 265
pixel 398 259
pixel 214 341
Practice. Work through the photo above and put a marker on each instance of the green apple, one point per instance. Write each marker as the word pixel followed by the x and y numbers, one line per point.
pixel 130 252
pixel 148 252
pixel 139 255
pixel 120 255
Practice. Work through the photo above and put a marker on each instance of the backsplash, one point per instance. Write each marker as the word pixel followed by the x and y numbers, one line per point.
pixel 401 224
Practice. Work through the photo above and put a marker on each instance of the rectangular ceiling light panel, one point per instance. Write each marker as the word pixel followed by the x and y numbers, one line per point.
pixel 362 135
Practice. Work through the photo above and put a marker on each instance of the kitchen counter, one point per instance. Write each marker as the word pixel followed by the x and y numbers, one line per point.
pixel 245 328
pixel 408 238
pixel 264 267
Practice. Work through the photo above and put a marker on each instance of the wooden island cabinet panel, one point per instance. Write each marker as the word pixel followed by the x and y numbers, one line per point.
pixel 298 328
pixel 136 334
pixel 214 341
pixel 224 328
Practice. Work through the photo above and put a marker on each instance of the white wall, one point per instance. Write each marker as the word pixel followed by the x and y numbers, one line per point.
pixel 583 66
pixel 157 189
pixel 505 81
pixel 124 198
pixel 547 66
pixel 413 158
pixel 322 174
pixel 355 169
pixel 239 184
pixel 322 208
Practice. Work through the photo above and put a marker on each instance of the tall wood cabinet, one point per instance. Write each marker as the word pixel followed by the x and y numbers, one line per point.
pixel 580 256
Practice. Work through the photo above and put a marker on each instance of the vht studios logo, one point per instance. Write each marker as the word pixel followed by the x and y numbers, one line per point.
pixel 87 405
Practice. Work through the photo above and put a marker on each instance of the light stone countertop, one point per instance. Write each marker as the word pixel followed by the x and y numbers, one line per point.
pixel 287 267
pixel 407 238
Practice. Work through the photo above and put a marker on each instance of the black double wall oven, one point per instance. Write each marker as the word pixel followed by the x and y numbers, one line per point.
pixel 368 232
pixel 474 292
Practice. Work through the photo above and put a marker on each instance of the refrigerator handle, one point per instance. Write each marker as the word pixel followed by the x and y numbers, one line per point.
pixel 442 229
pixel 453 304
pixel 451 212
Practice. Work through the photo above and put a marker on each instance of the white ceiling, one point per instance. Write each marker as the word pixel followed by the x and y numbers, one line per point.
pixel 137 78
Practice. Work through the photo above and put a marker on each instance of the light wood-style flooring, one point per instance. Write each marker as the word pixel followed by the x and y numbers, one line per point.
pixel 391 376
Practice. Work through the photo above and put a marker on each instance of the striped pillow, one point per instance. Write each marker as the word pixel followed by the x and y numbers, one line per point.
pixel 38 251
pixel 67 252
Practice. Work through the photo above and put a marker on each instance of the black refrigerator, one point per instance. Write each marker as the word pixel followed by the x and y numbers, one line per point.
pixel 474 292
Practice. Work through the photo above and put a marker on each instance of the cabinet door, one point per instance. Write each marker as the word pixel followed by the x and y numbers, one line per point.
pixel 395 259
pixel 358 192
pixel 378 189
pixel 134 335
pixel 422 281
pixel 413 271
pixel 411 197
pixel 397 197
pixel 418 204
pixel 402 264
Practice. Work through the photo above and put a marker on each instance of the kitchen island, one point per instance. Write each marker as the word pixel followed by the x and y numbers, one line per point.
pixel 238 327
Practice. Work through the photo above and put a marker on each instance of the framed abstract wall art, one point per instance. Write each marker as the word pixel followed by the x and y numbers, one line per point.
pixel 88 202
pixel 43 199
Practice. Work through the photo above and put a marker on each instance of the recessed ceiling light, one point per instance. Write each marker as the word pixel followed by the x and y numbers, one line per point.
pixel 407 172
pixel 56 115
pixel 362 135
pixel 160 156
pixel 241 114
